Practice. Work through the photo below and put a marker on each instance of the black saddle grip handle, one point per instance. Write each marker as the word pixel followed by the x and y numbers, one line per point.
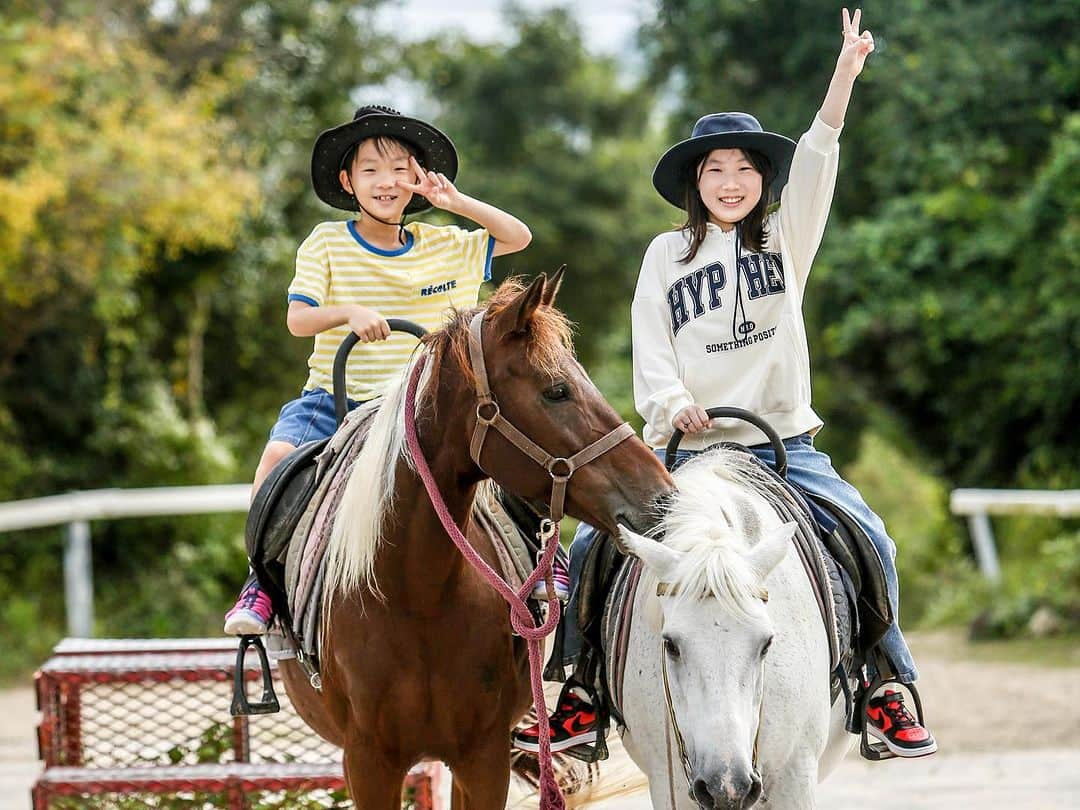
pixel 341 404
pixel 733 413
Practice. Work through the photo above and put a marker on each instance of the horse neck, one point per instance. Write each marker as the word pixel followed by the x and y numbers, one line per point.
pixel 421 559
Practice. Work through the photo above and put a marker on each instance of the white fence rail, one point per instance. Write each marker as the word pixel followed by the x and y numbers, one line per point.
pixel 978 504
pixel 75 510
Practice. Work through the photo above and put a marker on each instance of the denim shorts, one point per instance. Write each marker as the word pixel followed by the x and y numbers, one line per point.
pixel 307 418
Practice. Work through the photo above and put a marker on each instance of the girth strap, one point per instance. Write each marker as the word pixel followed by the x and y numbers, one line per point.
pixel 559 468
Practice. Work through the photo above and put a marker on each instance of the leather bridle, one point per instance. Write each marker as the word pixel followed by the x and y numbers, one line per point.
pixel 489 415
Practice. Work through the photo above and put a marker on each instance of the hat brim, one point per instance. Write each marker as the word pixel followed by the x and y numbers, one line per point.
pixel 670 173
pixel 437 154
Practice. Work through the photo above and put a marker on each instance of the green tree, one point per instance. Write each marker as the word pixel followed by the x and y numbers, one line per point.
pixel 557 136
pixel 154 181
pixel 947 282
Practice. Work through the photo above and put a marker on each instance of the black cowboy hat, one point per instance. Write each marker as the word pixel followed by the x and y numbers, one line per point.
pixel 730 130
pixel 436 152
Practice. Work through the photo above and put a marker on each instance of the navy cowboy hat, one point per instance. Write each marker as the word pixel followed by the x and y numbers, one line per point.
pixel 728 130
pixel 436 152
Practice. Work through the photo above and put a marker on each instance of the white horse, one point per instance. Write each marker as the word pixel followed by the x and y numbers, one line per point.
pixel 726 688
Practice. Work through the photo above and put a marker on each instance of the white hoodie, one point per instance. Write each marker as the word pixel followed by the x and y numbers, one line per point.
pixel 709 334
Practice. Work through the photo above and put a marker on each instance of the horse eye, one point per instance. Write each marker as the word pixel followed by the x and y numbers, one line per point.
pixel 765 648
pixel 559 392
pixel 671 648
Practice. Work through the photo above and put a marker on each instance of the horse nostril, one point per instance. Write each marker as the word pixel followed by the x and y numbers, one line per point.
pixel 755 790
pixel 701 793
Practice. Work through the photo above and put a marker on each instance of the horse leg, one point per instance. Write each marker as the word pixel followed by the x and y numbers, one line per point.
pixel 794 786
pixel 482 777
pixel 374 783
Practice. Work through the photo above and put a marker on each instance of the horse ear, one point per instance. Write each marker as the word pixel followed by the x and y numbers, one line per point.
pixel 770 549
pixel 527 303
pixel 657 557
pixel 552 287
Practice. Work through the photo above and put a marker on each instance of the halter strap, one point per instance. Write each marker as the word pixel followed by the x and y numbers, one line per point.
pixel 559 468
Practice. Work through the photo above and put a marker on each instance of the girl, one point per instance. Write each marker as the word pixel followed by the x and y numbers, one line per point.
pixel 717 320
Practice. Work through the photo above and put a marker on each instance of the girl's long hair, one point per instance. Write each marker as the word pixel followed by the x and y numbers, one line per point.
pixel 752 229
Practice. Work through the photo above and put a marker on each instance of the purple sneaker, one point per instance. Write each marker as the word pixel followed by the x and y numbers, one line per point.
pixel 251 614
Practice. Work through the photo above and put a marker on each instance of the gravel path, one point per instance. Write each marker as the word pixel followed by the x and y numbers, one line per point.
pixel 1007 735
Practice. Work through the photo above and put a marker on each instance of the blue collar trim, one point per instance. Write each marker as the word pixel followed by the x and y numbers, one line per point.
pixel 379 251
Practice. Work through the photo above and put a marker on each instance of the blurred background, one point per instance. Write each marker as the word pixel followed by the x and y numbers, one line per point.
pixel 154 187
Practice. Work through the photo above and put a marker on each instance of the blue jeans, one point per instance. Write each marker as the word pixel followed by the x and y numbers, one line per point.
pixel 811 470
pixel 307 418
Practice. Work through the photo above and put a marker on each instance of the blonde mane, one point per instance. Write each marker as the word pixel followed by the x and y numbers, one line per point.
pixel 717 507
pixel 368 499
pixel 369 493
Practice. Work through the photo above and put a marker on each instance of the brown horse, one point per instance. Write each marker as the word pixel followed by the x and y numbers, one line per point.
pixel 418 658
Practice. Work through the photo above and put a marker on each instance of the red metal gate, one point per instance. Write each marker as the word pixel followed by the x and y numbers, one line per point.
pixel 129 723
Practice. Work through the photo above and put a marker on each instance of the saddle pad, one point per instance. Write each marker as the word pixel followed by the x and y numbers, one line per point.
pixel 335 462
pixel 617 619
pixel 510 542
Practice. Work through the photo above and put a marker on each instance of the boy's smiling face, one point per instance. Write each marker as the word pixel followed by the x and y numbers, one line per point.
pixel 378 165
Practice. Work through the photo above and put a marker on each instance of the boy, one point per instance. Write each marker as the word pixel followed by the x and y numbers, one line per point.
pixel 352 275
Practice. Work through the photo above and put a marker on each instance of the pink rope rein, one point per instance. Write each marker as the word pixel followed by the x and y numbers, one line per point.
pixel 521 618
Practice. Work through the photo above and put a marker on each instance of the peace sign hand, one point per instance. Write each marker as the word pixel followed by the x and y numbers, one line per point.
pixel 856 46
pixel 435 186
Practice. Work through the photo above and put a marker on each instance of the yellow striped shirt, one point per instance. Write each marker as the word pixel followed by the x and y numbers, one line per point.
pixel 439 267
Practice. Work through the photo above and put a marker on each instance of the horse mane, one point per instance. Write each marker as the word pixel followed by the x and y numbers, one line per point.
pixel 368 499
pixel 549 331
pixel 714 546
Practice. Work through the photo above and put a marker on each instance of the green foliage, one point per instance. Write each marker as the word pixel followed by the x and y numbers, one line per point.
pixel 154 178
pixel 564 149
pixel 1046 582
pixel 914 505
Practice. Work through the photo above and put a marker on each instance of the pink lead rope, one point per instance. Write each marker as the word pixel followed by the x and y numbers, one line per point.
pixel 520 618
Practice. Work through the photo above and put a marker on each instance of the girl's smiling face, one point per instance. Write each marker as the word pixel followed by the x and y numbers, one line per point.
pixel 729 186
pixel 376 168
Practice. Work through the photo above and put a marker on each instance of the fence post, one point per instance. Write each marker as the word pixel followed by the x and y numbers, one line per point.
pixel 78 580
pixel 982 536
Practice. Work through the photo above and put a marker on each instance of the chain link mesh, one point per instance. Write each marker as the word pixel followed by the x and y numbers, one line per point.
pixel 151 728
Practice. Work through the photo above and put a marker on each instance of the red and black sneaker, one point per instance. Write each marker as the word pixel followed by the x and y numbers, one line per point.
pixel 890 721
pixel 572 723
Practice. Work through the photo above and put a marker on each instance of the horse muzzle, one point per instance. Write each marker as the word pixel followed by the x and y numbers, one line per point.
pixel 738 791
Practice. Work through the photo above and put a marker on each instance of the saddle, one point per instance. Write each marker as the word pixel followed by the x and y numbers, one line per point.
pixel 291 499
pixel 276 509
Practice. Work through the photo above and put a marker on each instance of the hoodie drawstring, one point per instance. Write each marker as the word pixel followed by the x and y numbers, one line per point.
pixel 747 326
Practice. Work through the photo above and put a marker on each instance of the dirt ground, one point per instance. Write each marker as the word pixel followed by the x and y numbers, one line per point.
pixel 1007 736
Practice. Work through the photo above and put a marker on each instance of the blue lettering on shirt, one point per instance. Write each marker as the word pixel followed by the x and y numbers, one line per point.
pixel 677 307
pixel 764 274
pixel 435 289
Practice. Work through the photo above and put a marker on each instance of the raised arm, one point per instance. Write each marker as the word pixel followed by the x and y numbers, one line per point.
pixel 806 199
pixel 849 64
